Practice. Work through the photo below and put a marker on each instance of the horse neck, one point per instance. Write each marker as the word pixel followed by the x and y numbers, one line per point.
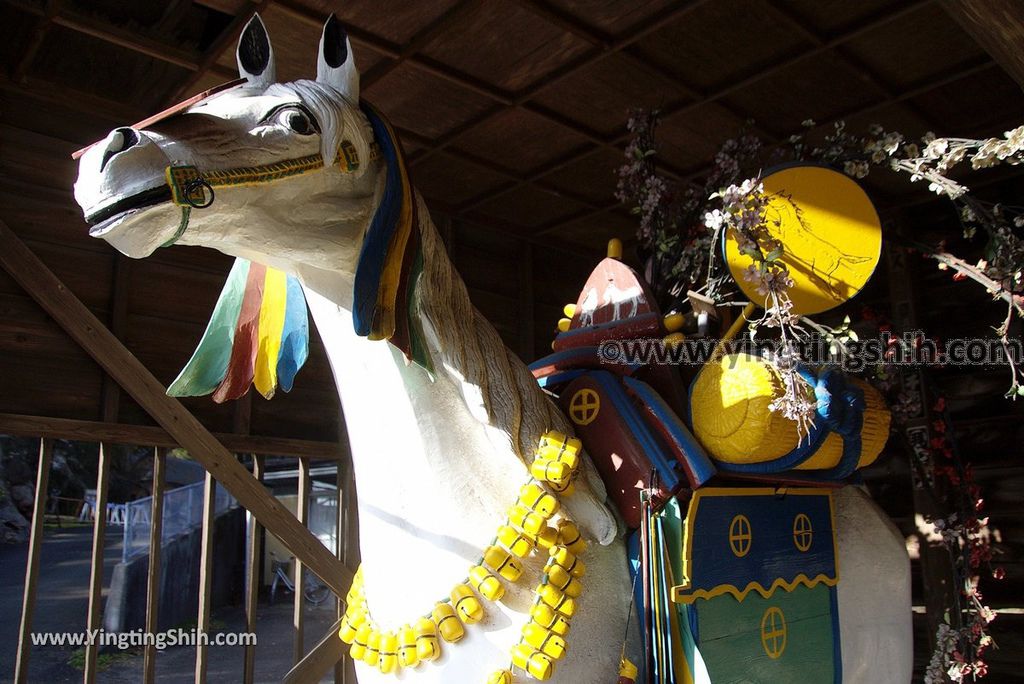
pixel 433 480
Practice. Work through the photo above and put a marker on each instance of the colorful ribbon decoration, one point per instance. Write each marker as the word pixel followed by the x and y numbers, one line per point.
pixel 258 334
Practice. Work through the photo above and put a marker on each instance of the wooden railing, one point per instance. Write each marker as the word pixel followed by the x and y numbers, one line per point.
pixel 178 428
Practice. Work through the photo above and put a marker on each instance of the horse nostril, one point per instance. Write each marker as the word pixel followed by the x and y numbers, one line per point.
pixel 118 141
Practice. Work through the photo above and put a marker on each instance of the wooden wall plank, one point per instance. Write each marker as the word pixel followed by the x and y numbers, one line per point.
pixel 156 524
pixel 254 561
pixel 205 576
pixel 99 530
pixel 299 605
pixel 35 545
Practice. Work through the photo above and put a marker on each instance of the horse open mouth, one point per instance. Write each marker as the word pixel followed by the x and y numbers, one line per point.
pixel 100 220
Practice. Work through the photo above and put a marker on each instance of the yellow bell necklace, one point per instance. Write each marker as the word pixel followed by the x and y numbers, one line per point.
pixel 525 531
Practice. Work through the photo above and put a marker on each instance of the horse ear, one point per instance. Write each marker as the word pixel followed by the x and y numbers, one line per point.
pixel 254 54
pixel 336 65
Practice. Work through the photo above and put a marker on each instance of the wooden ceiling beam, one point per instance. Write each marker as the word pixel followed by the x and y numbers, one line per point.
pixel 56 15
pixel 997 26
pixel 966 72
pixel 35 40
pixel 210 56
pixel 508 173
pixel 862 70
pixel 422 39
pixel 690 103
pixel 523 97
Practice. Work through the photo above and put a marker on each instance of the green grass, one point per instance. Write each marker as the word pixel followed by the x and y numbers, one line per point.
pixel 103 660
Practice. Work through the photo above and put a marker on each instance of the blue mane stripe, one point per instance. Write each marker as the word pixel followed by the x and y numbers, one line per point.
pixel 385 221
pixel 294 336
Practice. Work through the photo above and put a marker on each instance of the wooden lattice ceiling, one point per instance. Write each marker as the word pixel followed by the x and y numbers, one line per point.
pixel 514 112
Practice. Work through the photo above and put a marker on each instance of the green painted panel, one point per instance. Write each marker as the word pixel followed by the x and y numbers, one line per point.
pixel 737 636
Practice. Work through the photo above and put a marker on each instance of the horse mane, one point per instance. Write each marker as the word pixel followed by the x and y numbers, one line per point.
pixel 497 386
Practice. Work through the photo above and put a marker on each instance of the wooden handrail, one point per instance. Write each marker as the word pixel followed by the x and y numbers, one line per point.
pixel 147 435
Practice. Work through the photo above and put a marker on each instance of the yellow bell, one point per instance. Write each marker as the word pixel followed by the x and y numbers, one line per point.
pixel 448 625
pixel 566 456
pixel 354 597
pixel 533 661
pixel 466 605
pixel 407 655
pixel 568 560
pixel 427 646
pixel 546 538
pixel 388 660
pixel 500 677
pixel 554 442
pixel 673 340
pixel 550 471
pixel 557 600
pixel 673 322
pixel 569 537
pixel 372 655
pixel 519 543
pixel 362 638
pixel 628 670
pixel 526 520
pixel 350 626
pixel 565 488
pixel 489 586
pixel 547 617
pixel 502 562
pixel 615 248
pixel 563 581
pixel 534 497
pixel 569 310
pixel 544 640
pixel 563 324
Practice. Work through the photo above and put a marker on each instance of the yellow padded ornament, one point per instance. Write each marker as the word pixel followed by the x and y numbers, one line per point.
pixel 733 421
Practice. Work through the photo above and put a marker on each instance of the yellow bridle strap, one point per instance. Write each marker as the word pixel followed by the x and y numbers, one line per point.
pixel 188 185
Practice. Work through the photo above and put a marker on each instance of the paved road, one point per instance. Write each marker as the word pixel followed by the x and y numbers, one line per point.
pixel 63 602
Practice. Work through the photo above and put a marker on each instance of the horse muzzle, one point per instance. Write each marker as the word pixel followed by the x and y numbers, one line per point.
pixel 119 179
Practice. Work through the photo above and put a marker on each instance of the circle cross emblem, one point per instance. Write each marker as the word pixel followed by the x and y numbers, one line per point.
pixel 584 406
pixel 803 533
pixel 740 536
pixel 773 632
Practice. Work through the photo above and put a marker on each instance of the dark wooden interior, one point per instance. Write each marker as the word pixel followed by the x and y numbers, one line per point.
pixel 513 115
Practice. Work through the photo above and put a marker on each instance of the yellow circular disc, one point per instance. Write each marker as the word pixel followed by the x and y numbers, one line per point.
pixel 829 231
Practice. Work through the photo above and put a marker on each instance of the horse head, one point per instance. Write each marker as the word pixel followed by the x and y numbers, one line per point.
pixel 274 172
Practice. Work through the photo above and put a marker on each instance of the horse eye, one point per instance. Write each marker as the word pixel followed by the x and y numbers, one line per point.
pixel 295 119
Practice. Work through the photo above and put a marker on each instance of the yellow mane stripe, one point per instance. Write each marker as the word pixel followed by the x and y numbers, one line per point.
pixel 272 311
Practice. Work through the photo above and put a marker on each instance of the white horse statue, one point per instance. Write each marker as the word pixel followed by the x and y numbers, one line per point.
pixel 438 455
